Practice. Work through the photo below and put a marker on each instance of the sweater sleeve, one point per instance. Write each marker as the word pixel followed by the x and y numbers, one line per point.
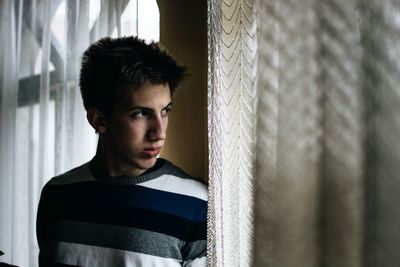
pixel 194 251
pixel 194 254
pixel 41 226
pixel 198 262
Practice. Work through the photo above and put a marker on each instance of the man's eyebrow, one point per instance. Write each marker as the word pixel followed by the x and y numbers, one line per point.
pixel 141 108
pixel 149 109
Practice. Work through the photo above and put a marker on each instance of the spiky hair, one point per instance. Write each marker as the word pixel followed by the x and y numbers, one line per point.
pixel 110 66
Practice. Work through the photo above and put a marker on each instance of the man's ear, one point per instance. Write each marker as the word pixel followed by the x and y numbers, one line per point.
pixel 97 120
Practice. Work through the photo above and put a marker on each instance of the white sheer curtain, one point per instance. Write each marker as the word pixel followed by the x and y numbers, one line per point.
pixel 231 123
pixel 43 128
pixel 324 184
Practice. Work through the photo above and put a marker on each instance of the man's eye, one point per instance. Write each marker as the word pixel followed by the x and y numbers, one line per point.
pixel 166 111
pixel 138 114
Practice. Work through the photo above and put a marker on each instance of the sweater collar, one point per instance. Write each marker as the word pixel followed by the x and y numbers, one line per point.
pixel 161 167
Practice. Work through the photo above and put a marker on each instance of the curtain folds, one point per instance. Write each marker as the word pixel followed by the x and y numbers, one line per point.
pixel 323 184
pixel 288 135
pixel 8 101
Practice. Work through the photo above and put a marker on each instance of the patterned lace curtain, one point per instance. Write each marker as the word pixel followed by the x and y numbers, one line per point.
pixel 324 106
pixel 43 127
pixel 231 122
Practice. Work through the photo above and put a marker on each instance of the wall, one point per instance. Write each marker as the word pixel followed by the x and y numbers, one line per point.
pixel 183 31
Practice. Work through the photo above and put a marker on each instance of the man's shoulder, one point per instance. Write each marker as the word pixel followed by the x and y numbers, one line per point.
pixel 176 180
pixel 76 175
pixel 172 169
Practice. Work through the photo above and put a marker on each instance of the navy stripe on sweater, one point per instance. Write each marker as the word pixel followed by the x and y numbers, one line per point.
pixel 102 206
pixel 187 207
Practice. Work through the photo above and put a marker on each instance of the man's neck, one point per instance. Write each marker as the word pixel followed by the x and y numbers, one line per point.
pixel 108 166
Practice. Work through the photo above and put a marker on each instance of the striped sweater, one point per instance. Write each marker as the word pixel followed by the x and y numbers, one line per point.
pixel 155 219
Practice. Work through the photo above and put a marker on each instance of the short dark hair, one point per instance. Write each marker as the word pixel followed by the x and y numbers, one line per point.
pixel 112 65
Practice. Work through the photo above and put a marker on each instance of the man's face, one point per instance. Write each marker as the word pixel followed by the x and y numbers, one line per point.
pixel 136 130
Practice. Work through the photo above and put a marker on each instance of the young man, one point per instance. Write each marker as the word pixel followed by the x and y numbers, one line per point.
pixel 126 207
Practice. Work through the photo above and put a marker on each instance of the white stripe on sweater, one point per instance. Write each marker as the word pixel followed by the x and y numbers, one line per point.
pixel 178 185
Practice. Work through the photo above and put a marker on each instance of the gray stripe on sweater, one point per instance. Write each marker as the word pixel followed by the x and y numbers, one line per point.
pixel 118 237
pixel 193 250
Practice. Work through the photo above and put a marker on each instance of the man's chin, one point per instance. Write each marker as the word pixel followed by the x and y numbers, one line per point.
pixel 146 164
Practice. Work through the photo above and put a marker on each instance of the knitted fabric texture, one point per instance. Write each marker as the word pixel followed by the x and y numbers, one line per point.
pixel 155 219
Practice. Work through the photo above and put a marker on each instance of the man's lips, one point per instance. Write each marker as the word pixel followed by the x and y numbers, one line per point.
pixel 152 151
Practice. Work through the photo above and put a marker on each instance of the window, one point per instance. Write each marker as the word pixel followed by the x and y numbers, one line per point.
pixel 47 126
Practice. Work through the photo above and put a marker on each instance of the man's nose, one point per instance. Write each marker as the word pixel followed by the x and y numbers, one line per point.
pixel 157 129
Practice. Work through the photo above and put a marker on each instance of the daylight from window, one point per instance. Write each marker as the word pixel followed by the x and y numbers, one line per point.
pixel 139 18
